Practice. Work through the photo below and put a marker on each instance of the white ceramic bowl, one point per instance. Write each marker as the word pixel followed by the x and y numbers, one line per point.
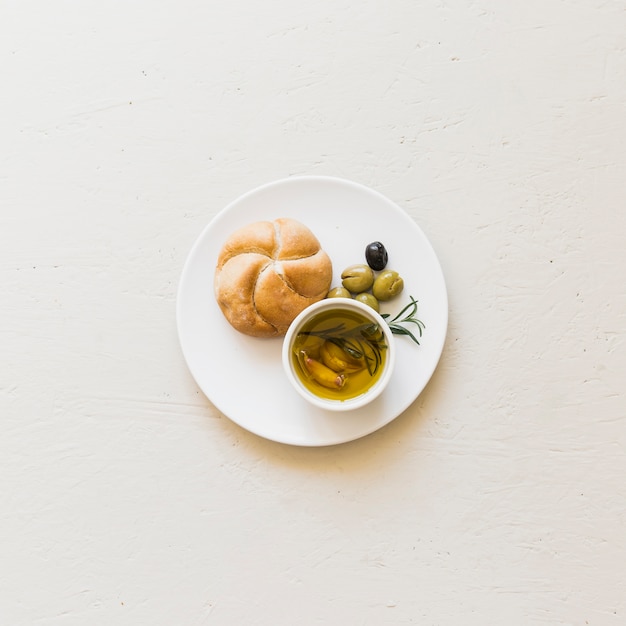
pixel 305 316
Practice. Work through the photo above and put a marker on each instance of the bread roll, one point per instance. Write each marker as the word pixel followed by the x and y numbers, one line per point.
pixel 267 272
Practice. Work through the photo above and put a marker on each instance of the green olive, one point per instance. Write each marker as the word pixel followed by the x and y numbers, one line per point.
pixel 369 299
pixel 357 278
pixel 338 292
pixel 387 285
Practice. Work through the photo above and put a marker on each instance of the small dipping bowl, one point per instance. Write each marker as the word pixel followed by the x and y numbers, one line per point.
pixel 293 369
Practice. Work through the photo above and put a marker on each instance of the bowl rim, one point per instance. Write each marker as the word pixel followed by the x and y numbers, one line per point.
pixel 326 403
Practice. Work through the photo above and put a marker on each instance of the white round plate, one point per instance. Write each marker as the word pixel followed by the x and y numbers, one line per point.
pixel 243 377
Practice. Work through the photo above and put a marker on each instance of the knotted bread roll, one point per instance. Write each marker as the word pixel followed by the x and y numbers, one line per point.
pixel 267 273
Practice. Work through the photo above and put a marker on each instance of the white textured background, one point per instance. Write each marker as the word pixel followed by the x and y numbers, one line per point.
pixel 499 497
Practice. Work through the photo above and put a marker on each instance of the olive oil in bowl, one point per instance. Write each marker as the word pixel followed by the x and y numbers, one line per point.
pixel 338 354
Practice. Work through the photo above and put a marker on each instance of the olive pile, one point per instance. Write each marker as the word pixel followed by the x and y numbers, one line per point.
pixel 370 283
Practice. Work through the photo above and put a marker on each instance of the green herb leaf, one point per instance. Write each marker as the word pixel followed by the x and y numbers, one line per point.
pixel 409 312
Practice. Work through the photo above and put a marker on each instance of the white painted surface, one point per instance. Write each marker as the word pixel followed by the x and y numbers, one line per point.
pixel 499 497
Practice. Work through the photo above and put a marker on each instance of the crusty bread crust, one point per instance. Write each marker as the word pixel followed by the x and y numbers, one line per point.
pixel 267 273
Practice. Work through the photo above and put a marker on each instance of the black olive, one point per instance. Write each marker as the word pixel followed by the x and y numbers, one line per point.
pixel 376 255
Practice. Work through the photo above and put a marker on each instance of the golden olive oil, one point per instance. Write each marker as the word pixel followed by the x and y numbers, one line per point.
pixel 341 326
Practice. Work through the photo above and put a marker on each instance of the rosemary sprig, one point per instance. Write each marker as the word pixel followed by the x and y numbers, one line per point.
pixel 355 342
pixel 366 342
pixel 409 312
